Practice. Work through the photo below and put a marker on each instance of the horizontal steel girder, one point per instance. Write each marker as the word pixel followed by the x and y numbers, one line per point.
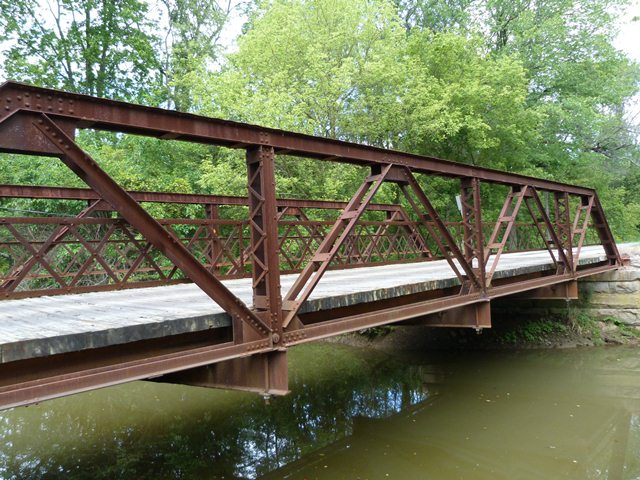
pixel 69 193
pixel 476 316
pixel 103 114
pixel 44 378
pixel 559 291
pixel 264 373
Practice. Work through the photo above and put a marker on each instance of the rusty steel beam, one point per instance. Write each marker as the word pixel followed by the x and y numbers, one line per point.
pixel 70 193
pixel 103 114
pixel 43 378
pixel 263 225
pixel 477 316
pixel 601 225
pixel 438 232
pixel 564 231
pixel 546 226
pixel 264 373
pixel 506 220
pixel 87 169
pixel 559 291
pixel 28 388
pixel 473 238
pixel 340 231
pixel 585 207
pixel 384 315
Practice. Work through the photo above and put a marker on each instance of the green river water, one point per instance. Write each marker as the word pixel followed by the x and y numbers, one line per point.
pixel 352 414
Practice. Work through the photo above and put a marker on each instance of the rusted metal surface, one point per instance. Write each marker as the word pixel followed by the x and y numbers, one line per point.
pixel 476 316
pixel 51 255
pixel 330 245
pixel 502 230
pixel 111 115
pixel 87 169
pixel 437 230
pixel 263 223
pixel 264 373
pixel 94 250
pixel 473 239
pixel 560 291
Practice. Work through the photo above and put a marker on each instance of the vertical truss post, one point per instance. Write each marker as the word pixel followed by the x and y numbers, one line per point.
pixel 563 224
pixel 89 171
pixel 263 226
pixel 604 233
pixel 472 227
pixel 215 249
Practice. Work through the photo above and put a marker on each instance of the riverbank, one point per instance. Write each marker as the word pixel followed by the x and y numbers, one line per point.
pixel 608 313
pixel 583 331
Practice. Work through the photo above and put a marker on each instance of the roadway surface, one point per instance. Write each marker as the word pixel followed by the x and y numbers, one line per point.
pixel 49 325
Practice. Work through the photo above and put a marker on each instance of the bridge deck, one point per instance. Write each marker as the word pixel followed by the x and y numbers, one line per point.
pixel 49 325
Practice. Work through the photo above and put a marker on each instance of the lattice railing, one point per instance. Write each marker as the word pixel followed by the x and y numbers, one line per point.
pixel 95 251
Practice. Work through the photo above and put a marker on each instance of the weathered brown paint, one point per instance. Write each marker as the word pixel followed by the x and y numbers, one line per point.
pixel 42 121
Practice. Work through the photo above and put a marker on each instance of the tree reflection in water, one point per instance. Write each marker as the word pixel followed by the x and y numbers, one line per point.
pixel 147 430
pixel 526 415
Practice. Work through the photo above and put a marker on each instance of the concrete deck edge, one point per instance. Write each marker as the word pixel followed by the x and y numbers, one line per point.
pixel 40 347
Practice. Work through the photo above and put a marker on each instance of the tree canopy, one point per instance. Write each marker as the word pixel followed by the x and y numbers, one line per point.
pixel 535 87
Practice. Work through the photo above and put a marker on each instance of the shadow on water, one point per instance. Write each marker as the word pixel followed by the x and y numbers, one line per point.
pixel 352 414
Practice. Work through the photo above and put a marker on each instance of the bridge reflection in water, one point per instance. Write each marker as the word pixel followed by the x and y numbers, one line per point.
pixel 352 414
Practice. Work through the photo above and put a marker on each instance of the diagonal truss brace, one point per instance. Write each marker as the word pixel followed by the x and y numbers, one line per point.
pixel 585 207
pixel 601 225
pixel 445 242
pixel 343 226
pixel 505 221
pixel 89 171
pixel 545 226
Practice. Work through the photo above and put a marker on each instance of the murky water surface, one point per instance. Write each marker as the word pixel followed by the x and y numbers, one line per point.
pixel 352 414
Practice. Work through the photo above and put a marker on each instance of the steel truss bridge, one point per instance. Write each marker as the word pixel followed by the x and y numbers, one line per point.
pixel 118 241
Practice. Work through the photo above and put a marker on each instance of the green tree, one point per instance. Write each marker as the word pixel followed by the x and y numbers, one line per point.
pixel 98 47
pixel 435 15
pixel 578 80
pixel 303 65
pixel 191 45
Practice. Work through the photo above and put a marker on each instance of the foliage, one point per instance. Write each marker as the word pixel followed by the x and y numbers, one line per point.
pixel 534 331
pixel 98 48
pixel 530 87
pixel 586 325
pixel 190 45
